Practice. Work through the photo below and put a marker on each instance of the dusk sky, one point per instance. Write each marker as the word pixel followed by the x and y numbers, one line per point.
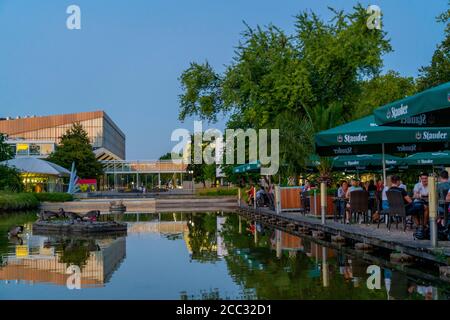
pixel 128 55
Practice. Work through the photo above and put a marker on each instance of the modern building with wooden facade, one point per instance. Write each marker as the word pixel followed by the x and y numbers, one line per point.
pixel 37 136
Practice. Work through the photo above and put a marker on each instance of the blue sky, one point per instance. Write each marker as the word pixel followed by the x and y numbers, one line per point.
pixel 128 55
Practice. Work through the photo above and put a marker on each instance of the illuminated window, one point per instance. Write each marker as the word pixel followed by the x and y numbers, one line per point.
pixel 46 148
pixel 35 149
pixel 22 149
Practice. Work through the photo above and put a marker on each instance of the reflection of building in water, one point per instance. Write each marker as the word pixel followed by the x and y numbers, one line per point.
pixel 164 227
pixel 44 263
pixel 289 242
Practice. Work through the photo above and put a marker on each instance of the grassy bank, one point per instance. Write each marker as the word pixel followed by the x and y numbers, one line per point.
pixel 216 192
pixel 28 201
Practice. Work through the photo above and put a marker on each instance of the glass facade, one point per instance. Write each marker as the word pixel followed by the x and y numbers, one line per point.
pixel 31 149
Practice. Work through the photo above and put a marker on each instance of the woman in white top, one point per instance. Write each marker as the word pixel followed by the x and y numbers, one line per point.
pixel 384 199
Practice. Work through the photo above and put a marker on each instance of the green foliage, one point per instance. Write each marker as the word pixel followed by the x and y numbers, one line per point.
pixel 10 179
pixel 17 201
pixel 213 192
pixel 6 152
pixel 438 71
pixel 167 156
pixel 53 197
pixel 381 90
pixel 201 172
pixel 202 92
pixel 300 83
pixel 75 147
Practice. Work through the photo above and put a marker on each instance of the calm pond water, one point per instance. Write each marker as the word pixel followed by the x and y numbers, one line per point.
pixel 197 256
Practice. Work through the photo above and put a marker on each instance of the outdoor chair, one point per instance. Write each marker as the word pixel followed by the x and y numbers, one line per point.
pixel 338 204
pixel 359 204
pixel 271 198
pixel 396 209
pixel 443 206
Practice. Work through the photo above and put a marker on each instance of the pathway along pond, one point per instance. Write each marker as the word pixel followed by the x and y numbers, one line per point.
pixel 199 256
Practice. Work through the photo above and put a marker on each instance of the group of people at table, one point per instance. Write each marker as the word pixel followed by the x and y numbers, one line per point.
pixel 416 203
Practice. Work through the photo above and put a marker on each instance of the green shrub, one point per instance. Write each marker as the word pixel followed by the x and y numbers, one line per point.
pixel 213 192
pixel 17 201
pixel 10 179
pixel 53 197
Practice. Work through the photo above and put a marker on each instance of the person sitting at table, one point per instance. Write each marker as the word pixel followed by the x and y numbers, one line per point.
pixel 443 188
pixel 414 209
pixel 341 193
pixel 250 194
pixel 421 188
pixel 372 189
pixel 354 187
pixel 260 194
pixel 421 193
pixel 403 186
pixel 383 200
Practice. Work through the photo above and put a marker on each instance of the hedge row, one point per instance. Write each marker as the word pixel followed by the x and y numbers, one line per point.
pixel 53 197
pixel 27 201
pixel 18 201
pixel 213 192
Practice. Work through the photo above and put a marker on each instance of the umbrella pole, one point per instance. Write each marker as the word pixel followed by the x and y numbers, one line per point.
pixel 384 164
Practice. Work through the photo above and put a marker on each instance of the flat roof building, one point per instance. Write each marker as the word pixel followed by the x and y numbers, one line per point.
pixel 35 136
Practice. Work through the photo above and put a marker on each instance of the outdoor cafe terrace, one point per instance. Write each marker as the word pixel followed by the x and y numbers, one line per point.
pixel 417 126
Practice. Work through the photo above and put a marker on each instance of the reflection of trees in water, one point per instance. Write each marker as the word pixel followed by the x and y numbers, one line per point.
pixel 75 251
pixel 289 277
pixel 202 237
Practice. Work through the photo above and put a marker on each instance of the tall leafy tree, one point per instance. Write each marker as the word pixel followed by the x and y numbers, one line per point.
pixel 201 172
pixel 6 152
pixel 10 179
pixel 300 83
pixel 438 71
pixel 75 147
pixel 381 90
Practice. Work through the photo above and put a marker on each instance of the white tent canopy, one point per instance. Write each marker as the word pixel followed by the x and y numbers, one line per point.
pixel 36 166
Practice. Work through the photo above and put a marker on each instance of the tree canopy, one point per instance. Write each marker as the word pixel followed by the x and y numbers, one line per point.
pixel 75 147
pixel 301 83
pixel 6 152
pixel 438 71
